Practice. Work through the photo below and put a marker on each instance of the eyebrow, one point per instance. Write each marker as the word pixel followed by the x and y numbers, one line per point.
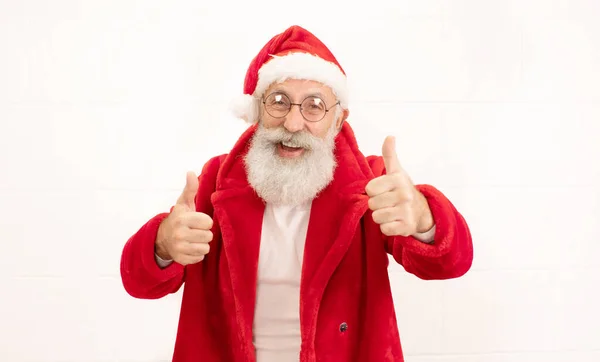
pixel 310 94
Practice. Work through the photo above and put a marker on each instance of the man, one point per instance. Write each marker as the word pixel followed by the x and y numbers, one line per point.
pixel 282 244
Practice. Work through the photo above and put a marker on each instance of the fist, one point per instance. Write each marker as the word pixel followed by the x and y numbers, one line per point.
pixel 398 207
pixel 184 236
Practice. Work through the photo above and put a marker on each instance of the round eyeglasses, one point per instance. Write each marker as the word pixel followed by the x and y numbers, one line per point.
pixel 312 108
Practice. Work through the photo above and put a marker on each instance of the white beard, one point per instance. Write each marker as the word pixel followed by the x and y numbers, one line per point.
pixel 284 181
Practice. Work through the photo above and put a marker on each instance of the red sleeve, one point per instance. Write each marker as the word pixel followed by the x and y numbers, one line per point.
pixel 140 274
pixel 450 255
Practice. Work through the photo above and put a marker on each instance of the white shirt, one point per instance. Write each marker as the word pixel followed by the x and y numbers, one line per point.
pixel 276 326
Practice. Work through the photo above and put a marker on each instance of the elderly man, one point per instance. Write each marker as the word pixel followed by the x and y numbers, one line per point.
pixel 282 244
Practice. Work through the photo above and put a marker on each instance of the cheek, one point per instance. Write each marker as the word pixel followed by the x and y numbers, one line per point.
pixel 269 122
pixel 319 129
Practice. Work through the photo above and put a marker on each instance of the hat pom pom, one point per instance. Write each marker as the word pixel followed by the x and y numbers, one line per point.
pixel 245 107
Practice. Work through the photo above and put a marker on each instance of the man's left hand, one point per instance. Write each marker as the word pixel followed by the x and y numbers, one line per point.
pixel 398 207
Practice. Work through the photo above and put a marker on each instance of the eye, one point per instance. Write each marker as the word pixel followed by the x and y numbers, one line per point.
pixel 314 105
pixel 277 100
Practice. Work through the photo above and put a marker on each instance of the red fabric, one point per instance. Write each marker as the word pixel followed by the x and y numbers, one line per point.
pixel 293 39
pixel 344 276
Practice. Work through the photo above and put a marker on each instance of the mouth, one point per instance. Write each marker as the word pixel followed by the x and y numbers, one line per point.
pixel 288 150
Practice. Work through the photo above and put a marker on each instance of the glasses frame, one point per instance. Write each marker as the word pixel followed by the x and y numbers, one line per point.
pixel 264 102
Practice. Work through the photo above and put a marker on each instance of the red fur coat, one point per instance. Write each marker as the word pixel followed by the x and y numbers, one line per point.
pixel 346 309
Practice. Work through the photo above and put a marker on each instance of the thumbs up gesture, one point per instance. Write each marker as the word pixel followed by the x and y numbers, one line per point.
pixel 184 236
pixel 398 207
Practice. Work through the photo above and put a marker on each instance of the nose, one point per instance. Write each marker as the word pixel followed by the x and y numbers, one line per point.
pixel 294 121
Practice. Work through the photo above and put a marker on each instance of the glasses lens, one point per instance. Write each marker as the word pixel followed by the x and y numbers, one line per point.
pixel 277 104
pixel 313 109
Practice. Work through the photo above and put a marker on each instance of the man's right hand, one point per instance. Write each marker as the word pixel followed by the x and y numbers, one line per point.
pixel 185 234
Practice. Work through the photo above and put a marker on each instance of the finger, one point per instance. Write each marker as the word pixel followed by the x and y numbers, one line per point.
pixel 388 214
pixel 188 196
pixel 392 198
pixel 187 260
pixel 198 236
pixel 187 235
pixel 396 228
pixel 403 213
pixel 195 249
pixel 390 158
pixel 196 220
pixel 386 183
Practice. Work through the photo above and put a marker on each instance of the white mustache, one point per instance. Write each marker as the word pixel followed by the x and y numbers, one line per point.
pixel 301 139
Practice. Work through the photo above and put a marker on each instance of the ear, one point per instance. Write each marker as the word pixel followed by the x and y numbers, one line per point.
pixel 342 119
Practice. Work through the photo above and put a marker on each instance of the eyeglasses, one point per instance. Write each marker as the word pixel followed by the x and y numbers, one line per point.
pixel 312 108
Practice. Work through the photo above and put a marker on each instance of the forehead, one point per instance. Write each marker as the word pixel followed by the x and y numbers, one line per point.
pixel 301 88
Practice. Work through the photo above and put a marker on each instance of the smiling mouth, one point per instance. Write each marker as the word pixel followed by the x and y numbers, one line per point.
pixel 287 150
pixel 289 146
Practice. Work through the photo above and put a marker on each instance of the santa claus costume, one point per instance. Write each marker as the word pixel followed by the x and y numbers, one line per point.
pixel 304 282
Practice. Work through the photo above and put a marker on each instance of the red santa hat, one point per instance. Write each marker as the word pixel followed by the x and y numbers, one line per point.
pixel 297 54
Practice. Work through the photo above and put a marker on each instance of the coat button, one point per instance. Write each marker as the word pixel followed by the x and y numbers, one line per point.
pixel 343 327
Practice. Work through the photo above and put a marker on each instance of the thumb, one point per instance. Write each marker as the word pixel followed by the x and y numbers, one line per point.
pixel 187 197
pixel 390 158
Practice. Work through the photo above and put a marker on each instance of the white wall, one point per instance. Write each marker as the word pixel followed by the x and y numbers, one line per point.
pixel 105 105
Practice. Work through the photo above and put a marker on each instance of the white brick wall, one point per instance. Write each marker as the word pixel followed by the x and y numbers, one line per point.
pixel 105 105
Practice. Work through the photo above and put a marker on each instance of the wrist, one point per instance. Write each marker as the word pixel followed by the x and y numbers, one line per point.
pixel 159 244
pixel 161 252
pixel 425 225
pixel 426 221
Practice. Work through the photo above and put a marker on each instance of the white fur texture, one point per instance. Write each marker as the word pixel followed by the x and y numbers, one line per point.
pixel 245 107
pixel 292 66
